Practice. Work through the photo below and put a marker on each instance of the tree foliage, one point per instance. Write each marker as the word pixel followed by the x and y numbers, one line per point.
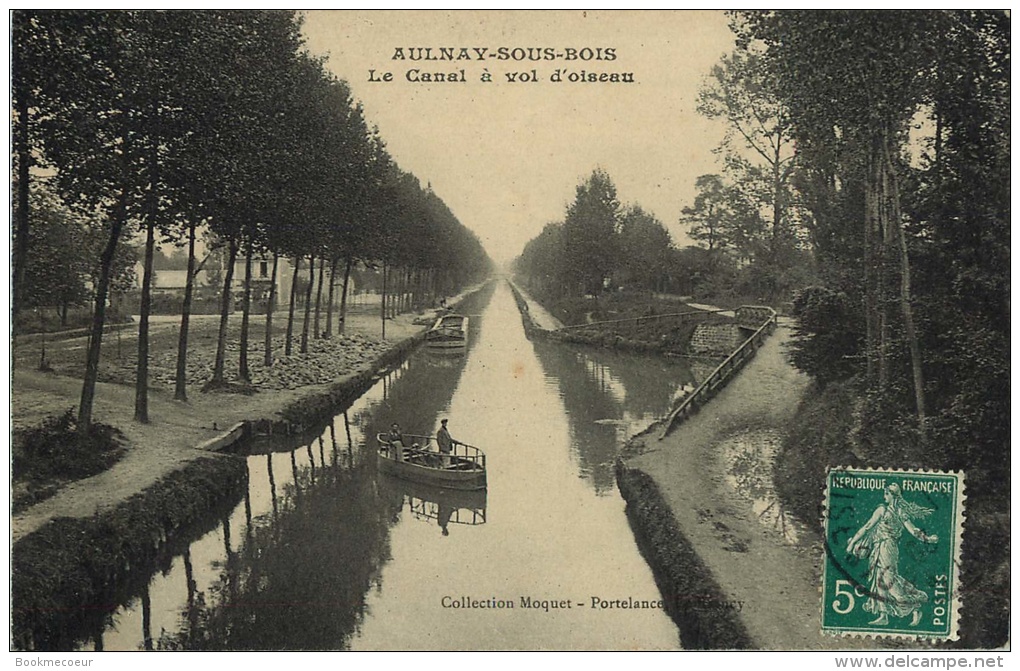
pixel 218 120
pixel 598 244
pixel 913 250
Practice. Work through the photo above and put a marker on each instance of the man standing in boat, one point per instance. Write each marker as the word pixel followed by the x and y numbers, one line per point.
pixel 446 443
pixel 396 440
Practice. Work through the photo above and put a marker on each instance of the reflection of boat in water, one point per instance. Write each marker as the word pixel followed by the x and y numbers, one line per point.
pixel 445 357
pixel 449 332
pixel 444 506
pixel 463 468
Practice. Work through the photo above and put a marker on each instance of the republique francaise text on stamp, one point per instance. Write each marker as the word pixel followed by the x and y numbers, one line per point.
pixel 892 552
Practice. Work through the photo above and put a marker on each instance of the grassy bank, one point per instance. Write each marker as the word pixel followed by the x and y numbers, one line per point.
pixel 698 605
pixel 317 408
pixel 616 305
pixel 825 433
pixel 70 574
pixel 666 335
pixel 47 457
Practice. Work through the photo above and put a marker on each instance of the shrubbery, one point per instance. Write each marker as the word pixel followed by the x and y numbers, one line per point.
pixel 55 451
pixel 827 337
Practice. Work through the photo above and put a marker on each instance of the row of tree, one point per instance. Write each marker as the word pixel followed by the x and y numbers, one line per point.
pixel 748 217
pixel 599 244
pixel 752 231
pixel 165 124
pixel 913 255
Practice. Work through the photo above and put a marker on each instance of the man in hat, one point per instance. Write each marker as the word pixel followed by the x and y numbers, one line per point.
pixel 445 442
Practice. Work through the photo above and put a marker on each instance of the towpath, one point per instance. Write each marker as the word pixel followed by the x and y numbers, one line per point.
pixel 770 567
pixel 542 318
pixel 171 439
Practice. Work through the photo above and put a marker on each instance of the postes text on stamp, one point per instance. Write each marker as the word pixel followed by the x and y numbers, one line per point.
pixel 892 548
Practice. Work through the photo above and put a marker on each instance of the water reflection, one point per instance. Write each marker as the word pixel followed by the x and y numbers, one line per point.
pixel 323 552
pixel 750 459
pixel 436 506
pixel 608 396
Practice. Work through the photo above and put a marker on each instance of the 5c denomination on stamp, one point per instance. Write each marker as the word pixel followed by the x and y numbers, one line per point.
pixel 892 548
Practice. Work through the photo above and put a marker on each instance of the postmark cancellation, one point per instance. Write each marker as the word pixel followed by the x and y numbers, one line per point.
pixel 892 552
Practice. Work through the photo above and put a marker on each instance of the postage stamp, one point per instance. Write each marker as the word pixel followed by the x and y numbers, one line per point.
pixel 892 552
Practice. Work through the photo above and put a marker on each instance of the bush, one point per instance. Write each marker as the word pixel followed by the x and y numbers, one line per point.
pixel 56 450
pixel 827 338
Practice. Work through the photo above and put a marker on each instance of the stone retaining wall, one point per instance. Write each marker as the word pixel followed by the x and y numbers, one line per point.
pixel 693 599
pixel 717 339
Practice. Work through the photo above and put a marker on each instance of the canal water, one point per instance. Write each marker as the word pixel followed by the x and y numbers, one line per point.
pixel 323 552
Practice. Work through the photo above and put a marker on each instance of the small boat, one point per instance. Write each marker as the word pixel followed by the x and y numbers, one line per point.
pixel 449 331
pixel 463 468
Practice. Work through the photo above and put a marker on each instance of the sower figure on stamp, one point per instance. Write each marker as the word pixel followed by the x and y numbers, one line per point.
pixel 446 443
pixel 889 592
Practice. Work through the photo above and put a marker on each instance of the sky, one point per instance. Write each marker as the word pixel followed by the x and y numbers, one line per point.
pixel 507 157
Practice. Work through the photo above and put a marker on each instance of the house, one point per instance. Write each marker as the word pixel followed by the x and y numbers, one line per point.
pixel 170 281
pixel 262 271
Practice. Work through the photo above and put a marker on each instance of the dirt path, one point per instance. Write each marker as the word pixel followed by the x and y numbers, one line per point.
pixel 775 580
pixel 167 443
pixel 542 318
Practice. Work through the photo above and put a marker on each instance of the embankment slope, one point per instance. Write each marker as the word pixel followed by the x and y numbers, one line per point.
pixel 769 583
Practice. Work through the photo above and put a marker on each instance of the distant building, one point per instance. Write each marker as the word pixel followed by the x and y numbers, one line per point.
pixel 174 281
pixel 170 281
pixel 262 271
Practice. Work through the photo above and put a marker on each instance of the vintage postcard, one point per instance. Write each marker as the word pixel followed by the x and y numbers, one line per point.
pixel 510 330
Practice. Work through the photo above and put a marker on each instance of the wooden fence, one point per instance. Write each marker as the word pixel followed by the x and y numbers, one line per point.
pixel 724 371
pixel 692 315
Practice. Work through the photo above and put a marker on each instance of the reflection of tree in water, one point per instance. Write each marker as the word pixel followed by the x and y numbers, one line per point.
pixel 414 397
pixel 275 592
pixel 751 466
pixel 266 595
pixel 87 628
pixel 598 385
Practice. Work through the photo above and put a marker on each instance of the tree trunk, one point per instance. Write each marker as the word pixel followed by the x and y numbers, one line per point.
pixel 318 298
pixel 383 301
pixel 407 291
pixel 21 230
pixel 871 294
pixel 343 295
pixel 242 365
pixel 308 305
pixel 777 221
pixel 88 389
pixel 269 313
pixel 225 310
pixel 142 365
pixel 329 300
pixel 288 347
pixel 908 313
pixel 181 382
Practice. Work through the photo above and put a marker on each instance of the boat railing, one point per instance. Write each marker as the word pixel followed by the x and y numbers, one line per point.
pixel 432 510
pixel 462 450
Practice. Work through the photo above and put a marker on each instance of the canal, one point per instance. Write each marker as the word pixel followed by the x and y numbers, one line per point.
pixel 325 553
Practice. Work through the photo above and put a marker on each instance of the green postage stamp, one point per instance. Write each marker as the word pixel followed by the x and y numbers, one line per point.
pixel 892 552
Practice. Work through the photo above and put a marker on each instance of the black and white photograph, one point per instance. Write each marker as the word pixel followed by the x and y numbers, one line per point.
pixel 510 330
